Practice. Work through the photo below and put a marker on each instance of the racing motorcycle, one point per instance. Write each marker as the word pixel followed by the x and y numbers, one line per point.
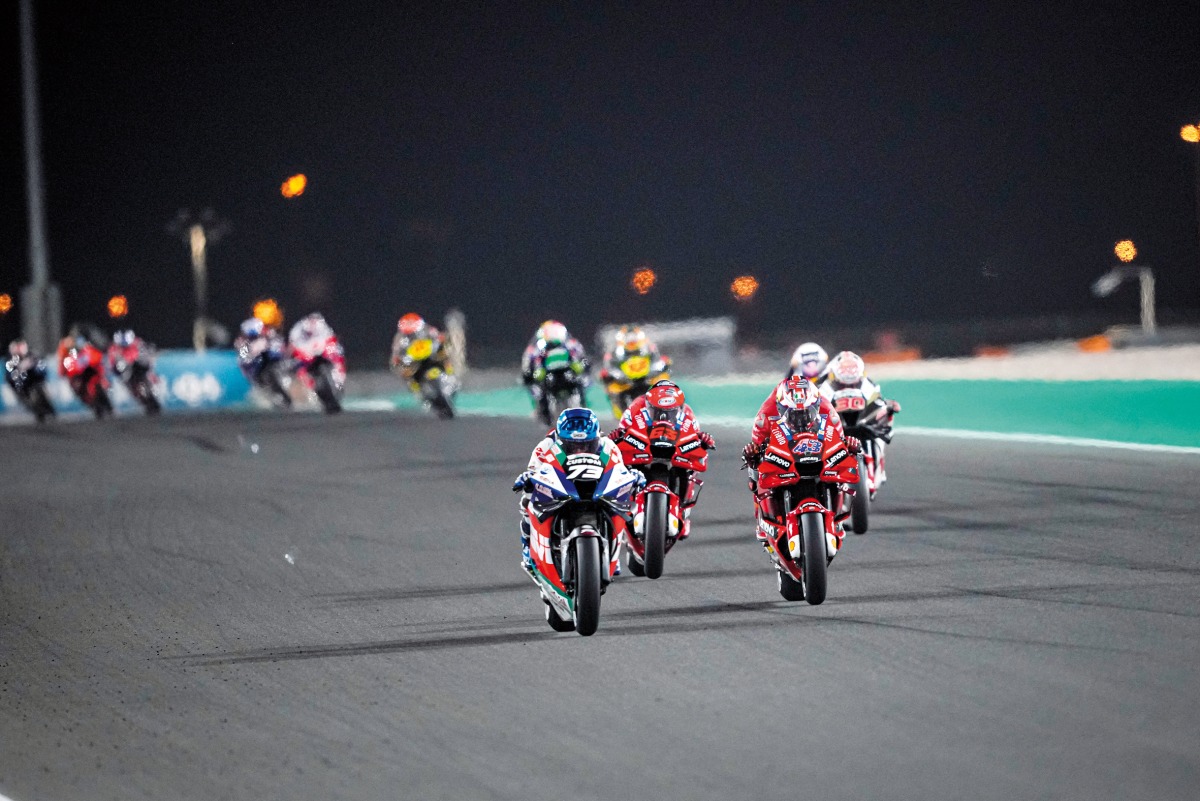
pixel 27 377
pixel 634 377
pixel 803 471
pixel 865 415
pixel 577 517
pixel 321 365
pixel 669 459
pixel 562 387
pixel 134 367
pixel 83 366
pixel 427 376
pixel 264 364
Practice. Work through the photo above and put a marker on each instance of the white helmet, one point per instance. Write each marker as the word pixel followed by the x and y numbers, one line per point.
pixel 810 359
pixel 847 368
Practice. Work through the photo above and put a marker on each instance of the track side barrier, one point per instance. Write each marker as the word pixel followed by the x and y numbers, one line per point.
pixel 187 381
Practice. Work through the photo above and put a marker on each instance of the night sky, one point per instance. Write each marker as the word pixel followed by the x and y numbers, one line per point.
pixel 868 162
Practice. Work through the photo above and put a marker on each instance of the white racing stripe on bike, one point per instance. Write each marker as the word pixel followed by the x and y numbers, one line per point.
pixel 998 436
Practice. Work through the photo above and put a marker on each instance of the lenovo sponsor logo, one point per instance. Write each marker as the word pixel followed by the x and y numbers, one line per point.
pixel 776 459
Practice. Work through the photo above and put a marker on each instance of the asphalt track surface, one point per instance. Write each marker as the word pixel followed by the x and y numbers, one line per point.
pixel 294 607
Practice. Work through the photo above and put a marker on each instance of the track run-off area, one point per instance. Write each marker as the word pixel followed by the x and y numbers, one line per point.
pixel 290 606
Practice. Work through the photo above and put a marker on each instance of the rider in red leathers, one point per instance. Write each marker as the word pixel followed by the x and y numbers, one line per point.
pixel 799 404
pixel 665 400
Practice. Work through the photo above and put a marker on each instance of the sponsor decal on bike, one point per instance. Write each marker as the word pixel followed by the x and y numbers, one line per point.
pixel 808 446
pixel 690 446
pixel 776 460
pixel 808 459
pixel 838 455
pixel 635 442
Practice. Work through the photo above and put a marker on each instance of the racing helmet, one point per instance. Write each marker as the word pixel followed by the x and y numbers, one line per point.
pixel 620 337
pixel 811 358
pixel 577 431
pixel 313 325
pixel 799 403
pixel 123 338
pixel 18 348
pixel 665 399
pixel 636 341
pixel 847 368
pixel 410 324
pixel 252 328
pixel 554 333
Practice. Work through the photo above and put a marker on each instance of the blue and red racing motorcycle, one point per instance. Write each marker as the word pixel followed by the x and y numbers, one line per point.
pixel 578 512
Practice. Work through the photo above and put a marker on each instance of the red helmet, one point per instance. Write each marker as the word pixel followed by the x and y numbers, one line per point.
pixel 799 403
pixel 410 324
pixel 665 397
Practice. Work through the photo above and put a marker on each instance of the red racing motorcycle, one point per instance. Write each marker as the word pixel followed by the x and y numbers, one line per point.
pixel 83 367
pixel 670 460
pixel 321 364
pixel 801 477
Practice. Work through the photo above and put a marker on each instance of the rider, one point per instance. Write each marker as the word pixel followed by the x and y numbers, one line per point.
pixel 309 329
pixel 797 403
pixel 811 361
pixel 126 350
pixel 848 371
pixel 576 431
pixel 665 401
pixel 631 342
pixel 551 335
pixel 409 329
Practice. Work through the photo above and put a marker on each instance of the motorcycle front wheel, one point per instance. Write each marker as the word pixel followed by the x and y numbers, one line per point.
pixel 860 502
pixel 655 532
pixel 324 389
pixel 815 559
pixel 587 585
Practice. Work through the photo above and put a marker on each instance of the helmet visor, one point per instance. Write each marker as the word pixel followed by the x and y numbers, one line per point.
pixel 573 446
pixel 802 420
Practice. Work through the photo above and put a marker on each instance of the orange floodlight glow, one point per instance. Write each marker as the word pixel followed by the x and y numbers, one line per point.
pixel 1125 251
pixel 744 287
pixel 5 303
pixel 294 186
pixel 1190 133
pixel 269 312
pixel 118 306
pixel 643 280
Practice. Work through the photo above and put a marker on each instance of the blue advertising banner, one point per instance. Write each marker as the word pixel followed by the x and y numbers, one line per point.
pixel 185 381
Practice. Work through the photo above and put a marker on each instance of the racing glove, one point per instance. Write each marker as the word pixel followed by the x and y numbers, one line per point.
pixel 752 455
pixel 893 406
pixel 615 434
pixel 524 483
pixel 707 441
pixel 853 444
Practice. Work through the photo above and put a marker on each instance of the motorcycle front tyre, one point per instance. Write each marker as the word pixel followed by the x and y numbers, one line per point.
pixel 587 585
pixel 815 561
pixel 655 527
pixel 325 391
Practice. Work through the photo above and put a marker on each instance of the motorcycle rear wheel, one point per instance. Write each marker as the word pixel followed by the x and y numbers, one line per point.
pixel 655 528
pixel 635 567
pixel 860 502
pixel 815 558
pixel 587 585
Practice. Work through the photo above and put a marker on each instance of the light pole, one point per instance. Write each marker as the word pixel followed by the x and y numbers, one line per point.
pixel 1191 133
pixel 41 302
pixel 198 232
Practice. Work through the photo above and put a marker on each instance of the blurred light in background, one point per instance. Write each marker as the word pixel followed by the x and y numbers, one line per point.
pixel 5 303
pixel 294 186
pixel 643 280
pixel 744 287
pixel 118 306
pixel 269 312
pixel 1125 250
pixel 1190 133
